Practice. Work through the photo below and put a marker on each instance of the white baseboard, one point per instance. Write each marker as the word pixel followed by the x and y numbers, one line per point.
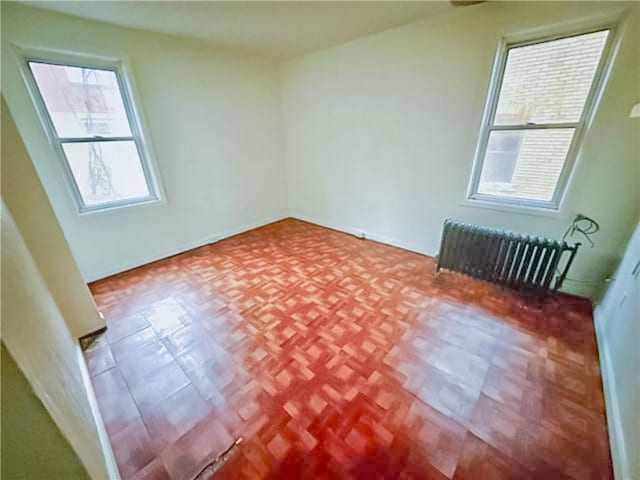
pixel 109 459
pixel 394 242
pixel 214 237
pixel 621 467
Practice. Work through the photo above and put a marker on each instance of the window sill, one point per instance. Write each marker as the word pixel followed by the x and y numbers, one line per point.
pixel 121 207
pixel 512 208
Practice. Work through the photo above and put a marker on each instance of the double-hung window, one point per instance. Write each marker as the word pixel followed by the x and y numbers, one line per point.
pixel 89 116
pixel 539 101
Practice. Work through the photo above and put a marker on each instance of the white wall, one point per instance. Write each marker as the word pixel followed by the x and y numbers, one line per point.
pixel 35 333
pixel 23 195
pixel 32 444
pixel 214 123
pixel 46 306
pixel 617 320
pixel 380 133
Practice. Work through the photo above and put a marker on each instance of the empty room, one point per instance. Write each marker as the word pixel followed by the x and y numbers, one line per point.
pixel 320 240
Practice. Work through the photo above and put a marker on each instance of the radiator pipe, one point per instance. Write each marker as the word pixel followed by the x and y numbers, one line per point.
pixel 563 275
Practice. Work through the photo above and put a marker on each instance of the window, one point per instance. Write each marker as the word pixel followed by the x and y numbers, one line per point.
pixel 88 114
pixel 538 105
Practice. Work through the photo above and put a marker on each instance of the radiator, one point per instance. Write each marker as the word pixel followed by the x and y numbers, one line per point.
pixel 506 258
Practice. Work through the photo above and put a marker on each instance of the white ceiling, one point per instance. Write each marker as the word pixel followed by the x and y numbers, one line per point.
pixel 277 29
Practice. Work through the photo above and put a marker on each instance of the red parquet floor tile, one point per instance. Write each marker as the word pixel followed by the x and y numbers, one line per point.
pixel 338 358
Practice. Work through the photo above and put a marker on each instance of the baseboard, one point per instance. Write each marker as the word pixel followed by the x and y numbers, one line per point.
pixel 138 262
pixel 252 226
pixel 394 242
pixel 617 443
pixel 105 444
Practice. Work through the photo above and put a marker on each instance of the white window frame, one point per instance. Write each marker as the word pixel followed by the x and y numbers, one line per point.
pixel 120 69
pixel 580 126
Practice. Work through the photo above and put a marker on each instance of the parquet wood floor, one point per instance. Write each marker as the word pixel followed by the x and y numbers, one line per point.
pixel 341 358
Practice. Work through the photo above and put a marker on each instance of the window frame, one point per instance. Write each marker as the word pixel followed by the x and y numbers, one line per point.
pixel 580 126
pixel 134 118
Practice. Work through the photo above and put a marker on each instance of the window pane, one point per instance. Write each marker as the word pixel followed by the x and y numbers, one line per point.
pixel 503 149
pixel 82 102
pixel 524 164
pixel 549 82
pixel 106 172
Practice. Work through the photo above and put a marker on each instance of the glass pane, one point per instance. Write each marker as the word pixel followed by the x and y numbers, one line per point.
pixel 549 82
pixel 106 172
pixel 524 163
pixel 82 102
